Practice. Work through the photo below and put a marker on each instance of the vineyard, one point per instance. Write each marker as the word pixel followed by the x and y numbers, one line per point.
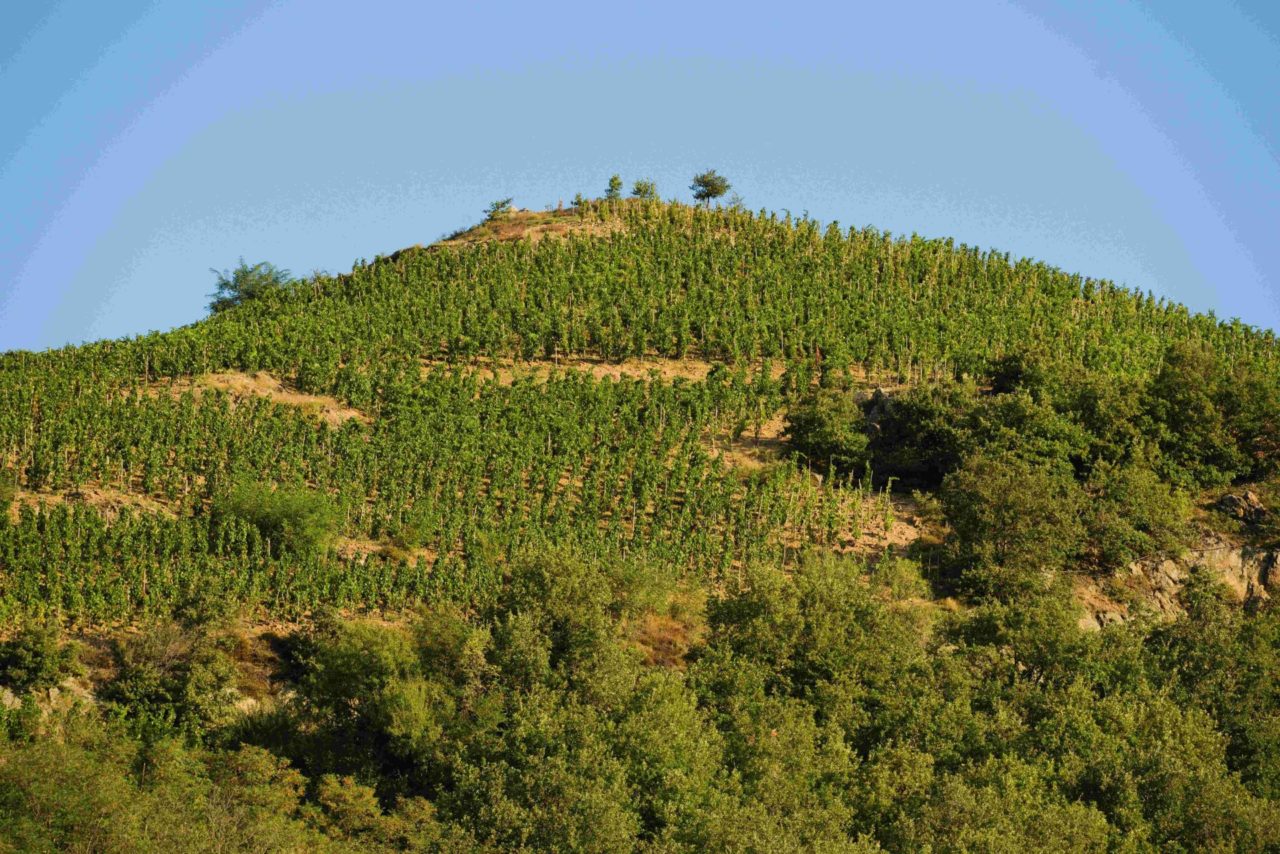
pixel 461 468
pixel 629 407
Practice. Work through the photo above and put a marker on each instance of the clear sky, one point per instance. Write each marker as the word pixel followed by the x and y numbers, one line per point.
pixel 143 143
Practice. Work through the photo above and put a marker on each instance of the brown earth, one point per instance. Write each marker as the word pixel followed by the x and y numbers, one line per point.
pixel 507 371
pixel 108 501
pixel 359 550
pixel 532 226
pixel 262 384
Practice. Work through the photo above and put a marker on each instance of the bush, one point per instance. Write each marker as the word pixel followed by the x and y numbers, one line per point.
pixel 171 681
pixel 1013 512
pixel 1184 409
pixel 918 437
pixel 1251 407
pixel 36 658
pixel 1110 412
pixel 829 429
pixel 1027 372
pixel 1134 514
pixel 246 283
pixel 8 490
pixel 1022 424
pixel 297 521
pixel 900 577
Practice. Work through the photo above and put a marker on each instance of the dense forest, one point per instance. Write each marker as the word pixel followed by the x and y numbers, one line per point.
pixel 639 526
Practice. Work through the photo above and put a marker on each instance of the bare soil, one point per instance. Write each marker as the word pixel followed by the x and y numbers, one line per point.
pixel 108 501
pixel 262 384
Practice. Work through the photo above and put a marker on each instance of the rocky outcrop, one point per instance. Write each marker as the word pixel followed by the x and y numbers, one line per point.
pixel 1154 584
pixel 1246 507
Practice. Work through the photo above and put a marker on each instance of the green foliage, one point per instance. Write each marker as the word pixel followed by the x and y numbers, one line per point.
pixel 93 789
pixel 827 427
pixel 8 490
pixel 1015 513
pixel 529 543
pixel 37 658
pixel 614 190
pixel 900 577
pixel 1213 425
pixel 171 681
pixel 708 185
pixel 919 437
pixel 245 283
pixel 296 521
pixel 1133 514
pixel 645 190
pixel 498 209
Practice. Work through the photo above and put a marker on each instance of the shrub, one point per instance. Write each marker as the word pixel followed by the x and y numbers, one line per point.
pixel 8 490
pixel 1021 372
pixel 918 437
pixel 1110 411
pixel 36 658
pixel 1184 409
pixel 1022 424
pixel 829 429
pixel 171 681
pixel 900 577
pixel 1251 407
pixel 1133 514
pixel 246 283
pixel 1009 511
pixel 299 521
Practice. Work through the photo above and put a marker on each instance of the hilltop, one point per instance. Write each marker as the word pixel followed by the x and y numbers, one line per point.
pixel 637 525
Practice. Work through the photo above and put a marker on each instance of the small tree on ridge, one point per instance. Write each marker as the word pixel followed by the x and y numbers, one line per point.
pixel 615 188
pixel 709 185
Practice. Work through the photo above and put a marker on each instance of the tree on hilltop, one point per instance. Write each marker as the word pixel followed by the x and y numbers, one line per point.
pixel 615 188
pixel 709 185
pixel 645 190
pixel 245 283
pixel 497 209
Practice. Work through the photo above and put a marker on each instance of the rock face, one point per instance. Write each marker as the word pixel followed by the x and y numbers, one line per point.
pixel 1246 507
pixel 1249 574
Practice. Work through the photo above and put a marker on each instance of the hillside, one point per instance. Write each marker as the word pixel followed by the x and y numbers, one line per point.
pixel 638 526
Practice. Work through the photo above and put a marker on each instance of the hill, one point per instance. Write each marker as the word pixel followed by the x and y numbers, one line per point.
pixel 638 525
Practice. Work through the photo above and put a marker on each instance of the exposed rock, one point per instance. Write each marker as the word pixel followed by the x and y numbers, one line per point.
pixel 1246 507
pixel 1248 573
pixel 8 699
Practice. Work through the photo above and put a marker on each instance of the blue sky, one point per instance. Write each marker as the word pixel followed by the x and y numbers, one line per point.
pixel 144 143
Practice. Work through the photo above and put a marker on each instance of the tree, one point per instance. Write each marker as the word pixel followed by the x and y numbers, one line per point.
pixel 828 428
pixel 497 209
pixel 1012 512
pixel 708 185
pixel 615 188
pixel 645 190
pixel 245 283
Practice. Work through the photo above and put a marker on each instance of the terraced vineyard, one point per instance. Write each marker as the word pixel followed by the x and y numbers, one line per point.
pixel 642 526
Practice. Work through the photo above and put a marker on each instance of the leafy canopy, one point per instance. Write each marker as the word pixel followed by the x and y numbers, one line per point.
pixel 246 283
pixel 709 185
